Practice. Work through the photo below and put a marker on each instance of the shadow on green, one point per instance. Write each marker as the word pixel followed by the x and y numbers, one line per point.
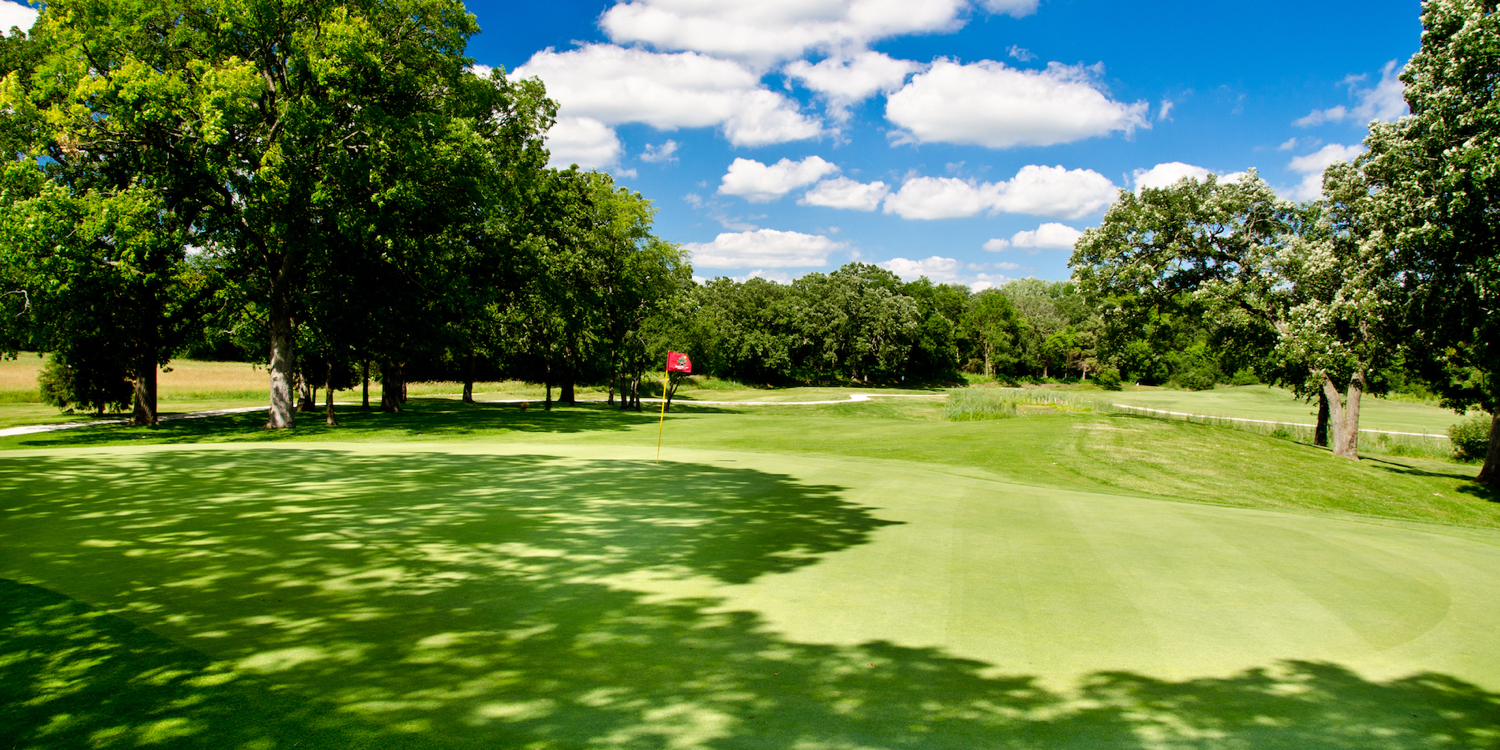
pixel 425 418
pixel 334 598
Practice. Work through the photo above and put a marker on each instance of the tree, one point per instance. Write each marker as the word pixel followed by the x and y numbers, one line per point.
pixel 998 329
pixel 1230 246
pixel 267 125
pixel 1434 180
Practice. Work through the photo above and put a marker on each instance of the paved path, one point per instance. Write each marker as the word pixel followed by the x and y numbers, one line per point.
pixel 1266 421
pixel 35 428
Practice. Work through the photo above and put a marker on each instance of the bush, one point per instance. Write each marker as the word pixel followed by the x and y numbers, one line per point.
pixel 1195 380
pixel 1471 438
pixel 1246 376
pixel 1108 379
pixel 94 386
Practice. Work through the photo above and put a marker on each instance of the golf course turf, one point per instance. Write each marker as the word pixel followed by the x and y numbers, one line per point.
pixel 848 576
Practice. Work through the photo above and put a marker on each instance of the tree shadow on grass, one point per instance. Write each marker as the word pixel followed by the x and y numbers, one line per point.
pixel 434 418
pixel 361 599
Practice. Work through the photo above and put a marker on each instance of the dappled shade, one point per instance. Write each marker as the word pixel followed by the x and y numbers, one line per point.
pixel 340 598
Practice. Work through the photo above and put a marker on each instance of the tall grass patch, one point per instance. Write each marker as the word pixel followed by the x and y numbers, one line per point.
pixel 969 405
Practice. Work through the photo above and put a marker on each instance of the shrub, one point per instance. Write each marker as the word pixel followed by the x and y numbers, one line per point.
pixel 1245 376
pixel 1108 379
pixel 1471 438
pixel 94 385
pixel 1195 380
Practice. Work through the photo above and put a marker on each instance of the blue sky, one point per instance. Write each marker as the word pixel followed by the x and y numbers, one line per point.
pixel 1000 124
pixel 965 140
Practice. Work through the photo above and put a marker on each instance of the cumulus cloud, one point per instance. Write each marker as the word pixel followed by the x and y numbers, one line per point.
pixel 990 104
pixel 666 152
pixel 1035 190
pixel 942 270
pixel 764 31
pixel 1049 236
pixel 1168 174
pixel 846 81
pixel 1311 167
pixel 942 198
pixel 842 192
pixel 761 183
pixel 763 248
pixel 1384 101
pixel 14 15
pixel 583 141
pixel 614 85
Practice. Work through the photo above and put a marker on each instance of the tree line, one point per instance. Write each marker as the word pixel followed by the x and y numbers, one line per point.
pixel 329 185
pixel 333 190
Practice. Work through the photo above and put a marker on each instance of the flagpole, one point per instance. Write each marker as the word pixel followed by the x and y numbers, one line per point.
pixel 666 375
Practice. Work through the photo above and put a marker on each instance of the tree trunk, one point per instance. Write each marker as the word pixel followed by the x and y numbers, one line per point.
pixel 1345 416
pixel 328 398
pixel 469 379
pixel 635 392
pixel 567 396
pixel 402 370
pixel 989 369
pixel 144 414
pixel 1320 433
pixel 304 394
pixel 391 387
pixel 365 391
pixel 1490 473
pixel 282 364
pixel 547 404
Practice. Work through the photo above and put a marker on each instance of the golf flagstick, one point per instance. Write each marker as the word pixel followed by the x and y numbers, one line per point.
pixel 665 377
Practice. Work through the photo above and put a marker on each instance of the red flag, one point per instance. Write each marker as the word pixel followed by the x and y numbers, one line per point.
pixel 678 362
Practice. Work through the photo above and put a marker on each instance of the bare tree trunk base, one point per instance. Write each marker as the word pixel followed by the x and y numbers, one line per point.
pixel 1490 473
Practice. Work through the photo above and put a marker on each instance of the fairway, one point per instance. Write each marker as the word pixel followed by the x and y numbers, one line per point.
pixel 530 594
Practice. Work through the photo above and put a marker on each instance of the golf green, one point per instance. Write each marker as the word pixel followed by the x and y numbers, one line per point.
pixel 535 595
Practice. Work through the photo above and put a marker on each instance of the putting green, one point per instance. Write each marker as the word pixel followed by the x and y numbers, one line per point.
pixel 568 596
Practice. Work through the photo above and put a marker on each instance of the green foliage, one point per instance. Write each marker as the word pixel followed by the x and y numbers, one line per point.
pixel 1108 378
pixel 1471 437
pixel 91 385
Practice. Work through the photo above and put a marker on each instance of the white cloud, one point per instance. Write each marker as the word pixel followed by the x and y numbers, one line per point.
pixel 846 81
pixel 1311 167
pixel 1012 8
pixel 16 14
pixel 614 85
pixel 1055 191
pixel 842 192
pixel 1035 190
pixel 764 248
pixel 761 183
pixel 1049 236
pixel 1166 110
pixel 764 31
pixel 996 245
pixel 942 198
pixel 583 141
pixel 942 270
pixel 1384 101
pixel 1168 174
pixel 666 152
pixel 1020 53
pixel 483 71
pixel 989 104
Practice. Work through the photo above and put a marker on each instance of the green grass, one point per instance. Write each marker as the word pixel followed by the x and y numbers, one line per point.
pixel 847 575
pixel 1278 404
